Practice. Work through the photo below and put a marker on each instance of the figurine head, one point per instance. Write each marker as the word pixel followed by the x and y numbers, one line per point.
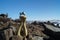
pixel 22 16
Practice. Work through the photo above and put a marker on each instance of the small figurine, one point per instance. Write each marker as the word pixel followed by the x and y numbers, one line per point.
pixel 23 29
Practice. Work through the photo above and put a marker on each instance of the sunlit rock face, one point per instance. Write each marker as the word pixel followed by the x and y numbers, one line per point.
pixel 37 38
pixel 53 32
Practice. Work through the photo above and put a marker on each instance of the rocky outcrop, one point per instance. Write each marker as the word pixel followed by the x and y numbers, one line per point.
pixel 36 30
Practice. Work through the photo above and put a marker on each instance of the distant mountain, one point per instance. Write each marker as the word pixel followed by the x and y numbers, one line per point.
pixel 55 21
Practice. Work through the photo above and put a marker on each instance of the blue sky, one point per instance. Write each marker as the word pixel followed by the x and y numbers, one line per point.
pixel 34 9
